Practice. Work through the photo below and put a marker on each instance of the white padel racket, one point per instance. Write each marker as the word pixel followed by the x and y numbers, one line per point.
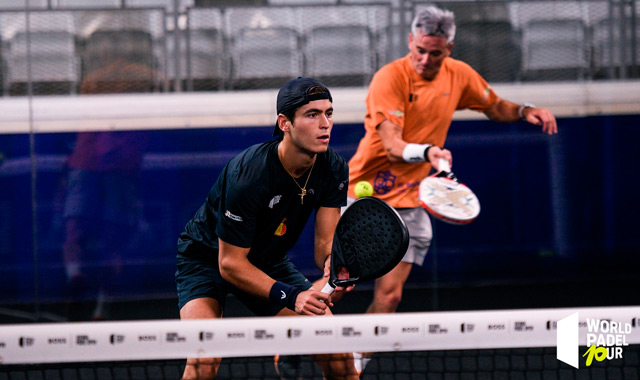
pixel 446 198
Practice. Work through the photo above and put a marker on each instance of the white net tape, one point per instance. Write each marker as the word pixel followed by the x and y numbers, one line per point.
pixel 242 337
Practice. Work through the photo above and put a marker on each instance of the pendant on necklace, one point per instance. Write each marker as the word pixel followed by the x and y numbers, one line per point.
pixel 304 192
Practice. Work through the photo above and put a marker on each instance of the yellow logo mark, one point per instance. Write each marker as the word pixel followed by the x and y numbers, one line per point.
pixel 282 228
pixel 600 353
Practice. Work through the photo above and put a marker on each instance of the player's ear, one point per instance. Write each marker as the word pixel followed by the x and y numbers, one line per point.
pixel 283 123
pixel 450 47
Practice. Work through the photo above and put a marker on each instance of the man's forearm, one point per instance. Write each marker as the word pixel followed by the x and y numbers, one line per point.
pixel 504 111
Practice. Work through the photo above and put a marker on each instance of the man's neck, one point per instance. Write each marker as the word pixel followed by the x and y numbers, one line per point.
pixel 294 160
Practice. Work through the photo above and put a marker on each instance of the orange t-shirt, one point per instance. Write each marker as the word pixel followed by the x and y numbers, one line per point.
pixel 424 109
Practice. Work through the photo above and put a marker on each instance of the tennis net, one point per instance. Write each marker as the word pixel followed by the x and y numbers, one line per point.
pixel 604 343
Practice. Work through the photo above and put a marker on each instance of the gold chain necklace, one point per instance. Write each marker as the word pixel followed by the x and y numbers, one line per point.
pixel 303 189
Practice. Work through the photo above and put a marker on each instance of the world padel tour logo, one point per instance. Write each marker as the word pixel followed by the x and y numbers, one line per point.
pixel 606 340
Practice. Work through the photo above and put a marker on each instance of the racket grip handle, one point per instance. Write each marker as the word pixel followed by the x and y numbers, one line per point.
pixel 328 289
pixel 443 165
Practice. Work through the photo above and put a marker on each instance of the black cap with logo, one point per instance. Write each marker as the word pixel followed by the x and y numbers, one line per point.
pixel 296 93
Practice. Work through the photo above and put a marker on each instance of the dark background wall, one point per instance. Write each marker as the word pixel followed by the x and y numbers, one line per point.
pixel 558 225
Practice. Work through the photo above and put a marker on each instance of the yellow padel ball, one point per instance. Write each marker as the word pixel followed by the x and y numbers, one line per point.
pixel 363 189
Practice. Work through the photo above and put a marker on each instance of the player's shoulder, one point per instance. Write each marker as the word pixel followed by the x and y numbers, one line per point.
pixel 336 165
pixel 392 69
pixel 256 153
pixel 459 67
pixel 334 158
pixel 394 77
pixel 253 162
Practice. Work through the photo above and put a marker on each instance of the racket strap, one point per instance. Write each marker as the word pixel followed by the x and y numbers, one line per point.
pixel 449 175
pixel 284 295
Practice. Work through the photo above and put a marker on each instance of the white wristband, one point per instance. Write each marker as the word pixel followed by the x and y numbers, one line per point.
pixel 414 153
pixel 522 108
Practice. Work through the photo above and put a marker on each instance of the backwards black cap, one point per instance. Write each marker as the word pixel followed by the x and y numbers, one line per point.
pixel 296 93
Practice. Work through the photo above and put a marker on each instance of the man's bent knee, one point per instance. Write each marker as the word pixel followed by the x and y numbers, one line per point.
pixel 337 366
pixel 385 303
pixel 201 368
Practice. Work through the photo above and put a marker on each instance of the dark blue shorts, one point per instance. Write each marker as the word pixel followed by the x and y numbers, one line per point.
pixel 198 277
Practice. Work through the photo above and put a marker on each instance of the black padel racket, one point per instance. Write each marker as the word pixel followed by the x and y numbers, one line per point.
pixel 370 240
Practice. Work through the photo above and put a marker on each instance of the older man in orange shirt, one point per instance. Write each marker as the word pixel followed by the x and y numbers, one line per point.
pixel 410 105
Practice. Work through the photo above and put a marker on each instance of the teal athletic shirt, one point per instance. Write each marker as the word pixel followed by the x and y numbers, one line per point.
pixel 256 204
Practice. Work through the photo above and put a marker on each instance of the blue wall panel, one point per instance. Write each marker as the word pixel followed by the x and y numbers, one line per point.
pixel 554 207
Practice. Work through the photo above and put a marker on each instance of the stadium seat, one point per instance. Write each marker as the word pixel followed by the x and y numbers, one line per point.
pixel 562 23
pixel 522 13
pixel 554 50
pixel 131 45
pixel 135 36
pixel 50 46
pixel 340 53
pixel 372 2
pixel 263 45
pixel 265 57
pixel 89 4
pixel 54 64
pixel 300 2
pixel 20 5
pixel 339 48
pixel 612 55
pixel 168 5
pixel 490 48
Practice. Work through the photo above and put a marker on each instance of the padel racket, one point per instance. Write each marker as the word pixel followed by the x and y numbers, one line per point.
pixel 370 240
pixel 446 198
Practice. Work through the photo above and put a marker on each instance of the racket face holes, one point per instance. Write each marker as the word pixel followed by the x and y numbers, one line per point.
pixel 372 229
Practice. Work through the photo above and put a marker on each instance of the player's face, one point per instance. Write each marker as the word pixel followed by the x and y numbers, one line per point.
pixel 428 53
pixel 311 128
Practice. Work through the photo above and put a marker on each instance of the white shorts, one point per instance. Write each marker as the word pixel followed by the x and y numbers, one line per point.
pixel 420 232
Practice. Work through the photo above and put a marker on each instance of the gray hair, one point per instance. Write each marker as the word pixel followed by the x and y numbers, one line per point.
pixel 433 21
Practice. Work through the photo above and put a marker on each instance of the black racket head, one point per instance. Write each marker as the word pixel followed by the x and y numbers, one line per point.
pixel 370 240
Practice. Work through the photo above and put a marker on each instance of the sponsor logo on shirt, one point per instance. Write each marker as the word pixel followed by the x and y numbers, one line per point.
pixel 384 182
pixel 282 228
pixel 397 113
pixel 486 93
pixel 275 200
pixel 234 217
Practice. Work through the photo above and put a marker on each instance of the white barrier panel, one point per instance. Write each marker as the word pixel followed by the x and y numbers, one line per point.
pixel 242 337
pixel 47 114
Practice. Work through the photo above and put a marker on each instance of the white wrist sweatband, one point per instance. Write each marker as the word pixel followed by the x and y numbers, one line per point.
pixel 414 153
pixel 522 108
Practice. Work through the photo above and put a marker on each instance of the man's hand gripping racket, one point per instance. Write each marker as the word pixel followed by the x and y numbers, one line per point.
pixel 446 198
pixel 370 240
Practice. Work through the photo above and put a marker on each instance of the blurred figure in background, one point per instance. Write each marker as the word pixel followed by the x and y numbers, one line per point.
pixel 410 106
pixel 100 209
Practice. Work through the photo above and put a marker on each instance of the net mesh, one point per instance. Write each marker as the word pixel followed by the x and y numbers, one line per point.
pixel 512 344
pixel 231 45
pixel 500 364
